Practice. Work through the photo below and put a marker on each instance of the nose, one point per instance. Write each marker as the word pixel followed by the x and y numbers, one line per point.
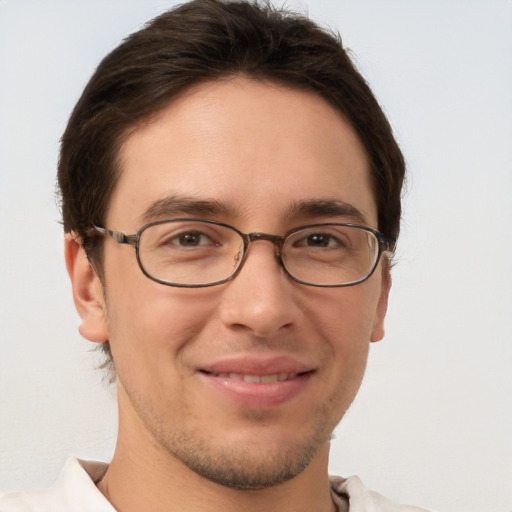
pixel 261 300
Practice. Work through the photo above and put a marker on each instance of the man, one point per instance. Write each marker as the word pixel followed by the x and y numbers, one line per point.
pixel 247 163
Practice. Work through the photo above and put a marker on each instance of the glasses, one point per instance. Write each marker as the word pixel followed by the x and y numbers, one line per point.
pixel 195 253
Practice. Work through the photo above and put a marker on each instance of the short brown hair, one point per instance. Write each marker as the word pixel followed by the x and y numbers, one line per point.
pixel 206 40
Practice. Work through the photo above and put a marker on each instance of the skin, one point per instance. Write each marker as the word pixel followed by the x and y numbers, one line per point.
pixel 184 444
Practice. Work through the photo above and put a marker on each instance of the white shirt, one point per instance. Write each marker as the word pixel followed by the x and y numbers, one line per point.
pixel 76 491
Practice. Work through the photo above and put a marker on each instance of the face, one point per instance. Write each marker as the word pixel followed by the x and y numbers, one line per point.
pixel 242 382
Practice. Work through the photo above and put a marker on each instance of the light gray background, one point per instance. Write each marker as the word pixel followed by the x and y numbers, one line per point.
pixel 432 424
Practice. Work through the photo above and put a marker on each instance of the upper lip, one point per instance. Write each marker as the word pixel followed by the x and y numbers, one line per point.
pixel 258 365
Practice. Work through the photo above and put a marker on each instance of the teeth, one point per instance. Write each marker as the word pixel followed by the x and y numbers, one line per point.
pixel 266 379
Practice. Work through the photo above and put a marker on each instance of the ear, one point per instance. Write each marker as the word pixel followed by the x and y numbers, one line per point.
pixel 87 292
pixel 382 304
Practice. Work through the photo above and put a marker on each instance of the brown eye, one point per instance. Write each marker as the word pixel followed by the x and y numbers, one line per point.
pixel 318 240
pixel 190 239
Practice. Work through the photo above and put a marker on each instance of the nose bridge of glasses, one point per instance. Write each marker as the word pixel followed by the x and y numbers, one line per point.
pixel 276 240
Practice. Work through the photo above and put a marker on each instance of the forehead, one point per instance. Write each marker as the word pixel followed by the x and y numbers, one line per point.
pixel 255 148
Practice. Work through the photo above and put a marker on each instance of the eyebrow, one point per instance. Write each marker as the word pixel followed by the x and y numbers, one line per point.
pixel 324 208
pixel 183 205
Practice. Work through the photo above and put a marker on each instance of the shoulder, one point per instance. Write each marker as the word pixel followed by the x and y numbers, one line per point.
pixel 363 500
pixel 74 491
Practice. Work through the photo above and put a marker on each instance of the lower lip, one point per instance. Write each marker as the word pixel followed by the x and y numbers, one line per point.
pixel 258 395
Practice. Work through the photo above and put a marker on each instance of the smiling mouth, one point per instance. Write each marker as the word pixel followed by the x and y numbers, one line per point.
pixel 255 388
pixel 256 379
pixel 265 379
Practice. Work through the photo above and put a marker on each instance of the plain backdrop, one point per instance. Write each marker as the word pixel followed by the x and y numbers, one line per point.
pixel 432 424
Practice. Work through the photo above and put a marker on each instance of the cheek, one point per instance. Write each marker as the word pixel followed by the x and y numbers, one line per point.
pixel 149 324
pixel 345 316
pixel 345 323
pixel 343 327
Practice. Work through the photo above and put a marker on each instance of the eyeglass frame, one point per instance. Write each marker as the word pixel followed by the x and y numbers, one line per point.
pixel 384 245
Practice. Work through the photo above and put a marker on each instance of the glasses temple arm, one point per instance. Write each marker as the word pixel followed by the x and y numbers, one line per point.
pixel 118 236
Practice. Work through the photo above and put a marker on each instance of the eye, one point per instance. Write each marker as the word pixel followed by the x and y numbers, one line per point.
pixel 321 240
pixel 191 239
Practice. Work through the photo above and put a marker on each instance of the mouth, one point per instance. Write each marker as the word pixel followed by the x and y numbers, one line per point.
pixel 257 384
pixel 257 379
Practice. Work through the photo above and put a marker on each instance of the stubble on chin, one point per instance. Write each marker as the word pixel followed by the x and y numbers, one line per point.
pixel 239 467
pixel 247 466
